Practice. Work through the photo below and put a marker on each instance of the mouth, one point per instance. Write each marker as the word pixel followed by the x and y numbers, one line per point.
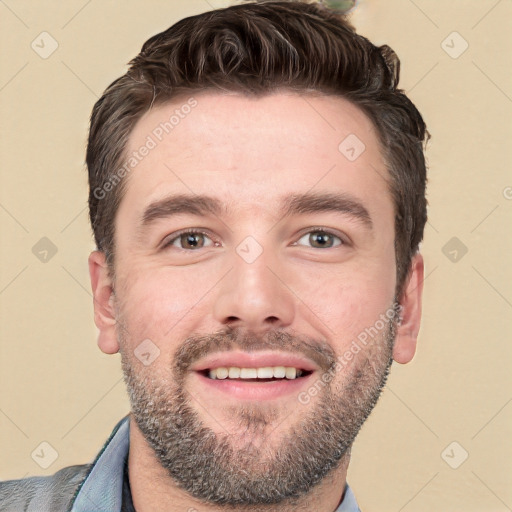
pixel 262 374
pixel 253 376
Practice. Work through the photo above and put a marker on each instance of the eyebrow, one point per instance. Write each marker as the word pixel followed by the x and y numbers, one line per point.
pixel 192 204
pixel 294 204
pixel 326 202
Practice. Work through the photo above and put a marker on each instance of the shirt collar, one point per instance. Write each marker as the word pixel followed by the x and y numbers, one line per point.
pixel 349 503
pixel 102 488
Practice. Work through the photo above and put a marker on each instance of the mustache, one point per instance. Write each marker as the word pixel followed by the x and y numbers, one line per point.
pixel 198 347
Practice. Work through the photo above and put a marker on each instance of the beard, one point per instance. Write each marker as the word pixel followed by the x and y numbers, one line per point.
pixel 249 468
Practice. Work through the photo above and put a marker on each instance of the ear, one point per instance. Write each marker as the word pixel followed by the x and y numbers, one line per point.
pixel 410 301
pixel 104 311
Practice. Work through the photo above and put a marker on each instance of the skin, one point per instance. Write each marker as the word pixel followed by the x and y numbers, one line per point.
pixel 249 153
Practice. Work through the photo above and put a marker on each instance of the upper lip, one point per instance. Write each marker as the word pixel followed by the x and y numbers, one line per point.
pixel 253 360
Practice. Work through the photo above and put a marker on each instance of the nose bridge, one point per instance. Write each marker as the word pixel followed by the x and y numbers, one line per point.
pixel 253 295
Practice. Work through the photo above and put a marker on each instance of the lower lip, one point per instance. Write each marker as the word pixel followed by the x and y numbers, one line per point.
pixel 255 390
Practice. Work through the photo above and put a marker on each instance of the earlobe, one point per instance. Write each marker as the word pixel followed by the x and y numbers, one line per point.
pixel 410 302
pixel 104 310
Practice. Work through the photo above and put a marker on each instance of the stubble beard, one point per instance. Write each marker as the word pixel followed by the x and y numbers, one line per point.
pixel 262 466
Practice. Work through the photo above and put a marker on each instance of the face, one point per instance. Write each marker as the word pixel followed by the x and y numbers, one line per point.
pixel 254 295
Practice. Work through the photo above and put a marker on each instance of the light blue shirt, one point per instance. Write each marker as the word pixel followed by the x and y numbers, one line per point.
pixel 102 489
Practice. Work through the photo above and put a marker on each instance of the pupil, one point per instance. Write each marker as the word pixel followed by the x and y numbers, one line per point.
pixel 191 239
pixel 320 239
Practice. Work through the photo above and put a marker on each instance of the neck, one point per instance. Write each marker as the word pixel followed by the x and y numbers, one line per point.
pixel 153 490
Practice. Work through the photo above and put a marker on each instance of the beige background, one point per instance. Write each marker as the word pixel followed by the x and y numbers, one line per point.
pixel 57 387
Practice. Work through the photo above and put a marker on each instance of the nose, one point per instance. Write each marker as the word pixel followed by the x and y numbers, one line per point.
pixel 255 296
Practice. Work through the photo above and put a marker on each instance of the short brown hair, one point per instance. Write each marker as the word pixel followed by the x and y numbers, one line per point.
pixel 256 49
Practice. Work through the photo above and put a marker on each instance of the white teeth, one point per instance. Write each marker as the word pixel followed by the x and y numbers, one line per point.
pixel 246 373
pixel 267 372
pixel 234 373
pixel 291 373
pixel 222 373
pixel 279 372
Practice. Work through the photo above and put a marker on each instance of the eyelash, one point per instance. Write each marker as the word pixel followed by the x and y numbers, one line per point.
pixel 178 234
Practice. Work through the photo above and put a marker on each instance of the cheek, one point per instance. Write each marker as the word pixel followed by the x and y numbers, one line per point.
pixel 346 302
pixel 157 304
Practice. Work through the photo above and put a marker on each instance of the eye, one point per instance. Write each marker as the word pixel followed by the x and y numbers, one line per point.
pixel 320 239
pixel 189 240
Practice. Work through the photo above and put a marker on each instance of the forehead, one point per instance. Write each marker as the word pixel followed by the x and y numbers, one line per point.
pixel 250 151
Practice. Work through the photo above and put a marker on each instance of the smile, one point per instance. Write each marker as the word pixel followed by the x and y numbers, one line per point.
pixel 265 373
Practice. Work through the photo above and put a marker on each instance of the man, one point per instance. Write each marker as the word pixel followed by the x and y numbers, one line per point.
pixel 257 195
